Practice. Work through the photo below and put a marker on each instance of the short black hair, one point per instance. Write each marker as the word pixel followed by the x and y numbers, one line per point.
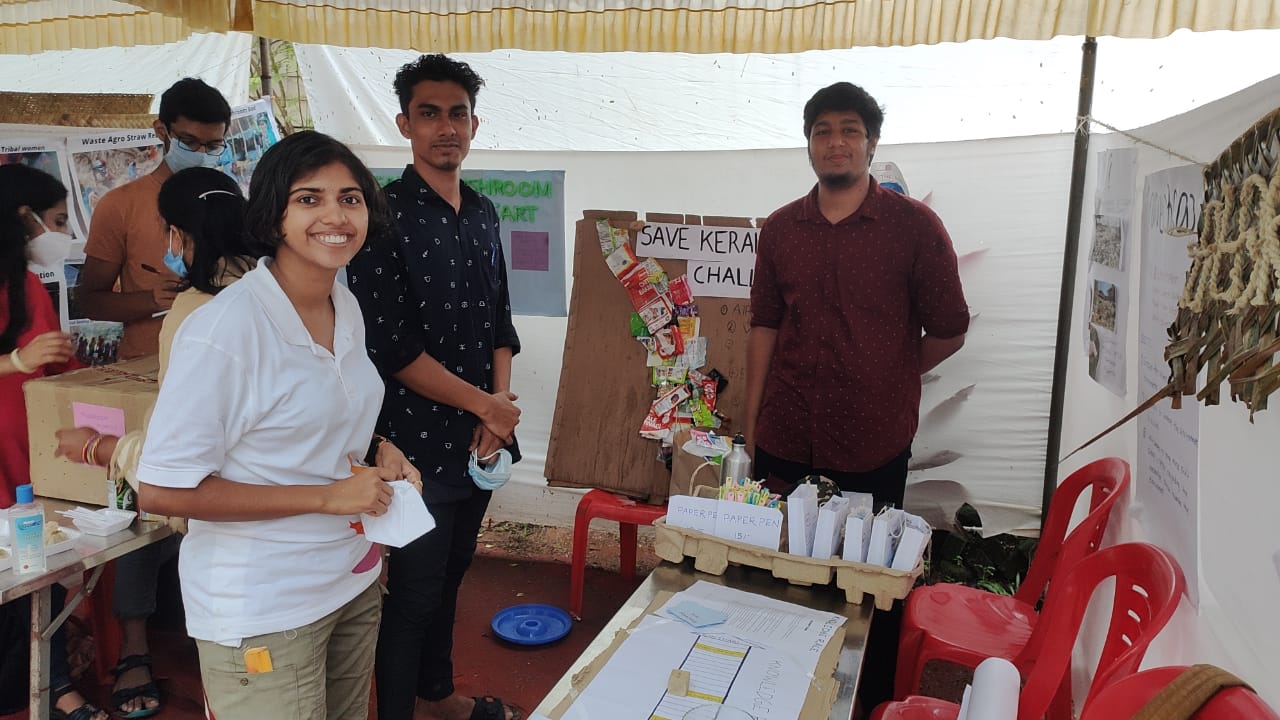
pixel 289 160
pixel 20 185
pixel 437 68
pixel 208 206
pixel 844 97
pixel 194 99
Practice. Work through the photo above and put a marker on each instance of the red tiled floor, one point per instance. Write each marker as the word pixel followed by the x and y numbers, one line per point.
pixel 483 662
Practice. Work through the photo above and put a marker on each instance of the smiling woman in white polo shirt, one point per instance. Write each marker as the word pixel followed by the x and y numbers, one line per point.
pixel 268 398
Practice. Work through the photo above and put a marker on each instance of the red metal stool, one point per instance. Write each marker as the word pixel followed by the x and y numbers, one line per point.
pixel 607 506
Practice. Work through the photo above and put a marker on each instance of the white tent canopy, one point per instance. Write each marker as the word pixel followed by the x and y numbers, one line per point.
pixel 702 26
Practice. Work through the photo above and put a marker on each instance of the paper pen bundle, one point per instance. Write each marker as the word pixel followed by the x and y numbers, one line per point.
pixel 845 526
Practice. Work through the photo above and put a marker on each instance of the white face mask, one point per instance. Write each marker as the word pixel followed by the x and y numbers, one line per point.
pixel 50 248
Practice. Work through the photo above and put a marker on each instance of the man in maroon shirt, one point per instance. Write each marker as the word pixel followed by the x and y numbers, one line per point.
pixel 856 294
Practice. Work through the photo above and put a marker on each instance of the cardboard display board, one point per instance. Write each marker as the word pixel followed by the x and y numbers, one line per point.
pixel 604 391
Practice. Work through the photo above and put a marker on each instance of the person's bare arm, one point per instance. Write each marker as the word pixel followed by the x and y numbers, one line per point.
pixel 428 378
pixel 760 345
pixel 101 302
pixel 934 350
pixel 220 500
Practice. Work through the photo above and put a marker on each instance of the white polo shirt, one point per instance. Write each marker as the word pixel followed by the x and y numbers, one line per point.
pixel 249 397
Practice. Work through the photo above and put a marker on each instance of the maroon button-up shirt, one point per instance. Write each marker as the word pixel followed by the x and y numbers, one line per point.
pixel 850 302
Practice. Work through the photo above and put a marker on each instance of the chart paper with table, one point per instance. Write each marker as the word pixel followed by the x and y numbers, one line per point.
pixel 761 659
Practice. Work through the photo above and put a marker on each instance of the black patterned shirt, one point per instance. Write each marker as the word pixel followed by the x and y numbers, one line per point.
pixel 437 285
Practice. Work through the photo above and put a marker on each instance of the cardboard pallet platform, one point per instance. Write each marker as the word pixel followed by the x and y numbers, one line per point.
pixel 713 554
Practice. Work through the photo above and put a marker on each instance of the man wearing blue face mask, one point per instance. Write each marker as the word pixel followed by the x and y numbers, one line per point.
pixel 128 240
pixel 128 244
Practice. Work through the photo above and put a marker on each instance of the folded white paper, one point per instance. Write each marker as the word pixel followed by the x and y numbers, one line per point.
pixel 406 519
pixel 831 517
pixel 915 536
pixel 857 534
pixel 802 519
pixel 886 529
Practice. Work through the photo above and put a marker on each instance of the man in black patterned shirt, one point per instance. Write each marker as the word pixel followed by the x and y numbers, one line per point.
pixel 438 314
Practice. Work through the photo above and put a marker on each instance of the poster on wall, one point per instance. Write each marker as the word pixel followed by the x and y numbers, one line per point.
pixel 105 161
pixel 530 205
pixel 1167 487
pixel 1108 277
pixel 252 131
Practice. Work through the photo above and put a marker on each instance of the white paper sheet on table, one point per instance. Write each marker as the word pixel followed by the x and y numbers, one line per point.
pixel 632 685
pixel 793 631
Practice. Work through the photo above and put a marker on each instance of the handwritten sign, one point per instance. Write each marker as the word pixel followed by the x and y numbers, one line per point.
pixel 1167 481
pixel 694 513
pixel 721 259
pixel 749 524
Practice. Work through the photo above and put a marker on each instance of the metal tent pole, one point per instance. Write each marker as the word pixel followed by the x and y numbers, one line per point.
pixel 1075 205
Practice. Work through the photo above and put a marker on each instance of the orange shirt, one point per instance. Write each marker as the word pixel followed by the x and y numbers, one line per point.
pixel 127 230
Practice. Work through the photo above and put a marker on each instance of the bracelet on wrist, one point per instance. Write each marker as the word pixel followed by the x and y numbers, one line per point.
pixel 18 364
pixel 90 450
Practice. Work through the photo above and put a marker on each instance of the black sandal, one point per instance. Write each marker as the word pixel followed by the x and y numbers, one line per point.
pixel 489 707
pixel 146 691
pixel 87 711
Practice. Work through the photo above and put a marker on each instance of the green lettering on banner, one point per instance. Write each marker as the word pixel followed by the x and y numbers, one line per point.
pixel 497 187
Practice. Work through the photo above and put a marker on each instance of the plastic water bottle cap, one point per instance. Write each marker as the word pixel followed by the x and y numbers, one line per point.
pixel 25 494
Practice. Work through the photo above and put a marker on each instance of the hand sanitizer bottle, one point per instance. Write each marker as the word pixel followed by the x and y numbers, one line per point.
pixel 26 530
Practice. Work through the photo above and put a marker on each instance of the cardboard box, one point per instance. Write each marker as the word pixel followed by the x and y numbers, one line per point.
pixel 114 396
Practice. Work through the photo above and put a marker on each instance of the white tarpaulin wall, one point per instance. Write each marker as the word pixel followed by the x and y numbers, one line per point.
pixel 222 60
pixel 673 101
pixel 1013 212
pixel 1238 538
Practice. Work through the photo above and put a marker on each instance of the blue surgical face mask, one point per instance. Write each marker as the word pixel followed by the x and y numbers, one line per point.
pixel 176 263
pixel 180 158
pixel 492 476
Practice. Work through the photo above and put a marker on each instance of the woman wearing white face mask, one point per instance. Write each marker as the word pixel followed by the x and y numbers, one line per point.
pixel 33 213
pixel 31 343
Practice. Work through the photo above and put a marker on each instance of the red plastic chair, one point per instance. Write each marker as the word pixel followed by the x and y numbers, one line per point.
pixel 1125 697
pixel 1148 584
pixel 608 506
pixel 965 625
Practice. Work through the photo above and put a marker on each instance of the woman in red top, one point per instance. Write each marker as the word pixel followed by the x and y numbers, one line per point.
pixel 33 221
pixel 33 212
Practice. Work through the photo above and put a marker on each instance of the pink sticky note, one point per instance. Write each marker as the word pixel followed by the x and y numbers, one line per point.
pixel 106 420
pixel 530 250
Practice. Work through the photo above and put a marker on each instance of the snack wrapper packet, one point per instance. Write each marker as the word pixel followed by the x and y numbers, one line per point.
pixel 620 261
pixel 670 342
pixel 680 292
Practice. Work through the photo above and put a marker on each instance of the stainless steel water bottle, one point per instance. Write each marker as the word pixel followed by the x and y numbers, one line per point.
pixel 737 464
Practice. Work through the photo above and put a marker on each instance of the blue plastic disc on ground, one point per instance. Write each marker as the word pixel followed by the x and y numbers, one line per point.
pixel 532 624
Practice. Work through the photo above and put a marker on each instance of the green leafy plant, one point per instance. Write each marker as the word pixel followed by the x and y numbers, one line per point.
pixel 962 555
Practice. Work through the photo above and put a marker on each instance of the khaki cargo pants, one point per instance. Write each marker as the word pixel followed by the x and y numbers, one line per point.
pixel 321 670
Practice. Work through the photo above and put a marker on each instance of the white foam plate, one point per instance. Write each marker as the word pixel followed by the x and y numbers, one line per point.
pixel 118 520
pixel 72 536
pixel 6 561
